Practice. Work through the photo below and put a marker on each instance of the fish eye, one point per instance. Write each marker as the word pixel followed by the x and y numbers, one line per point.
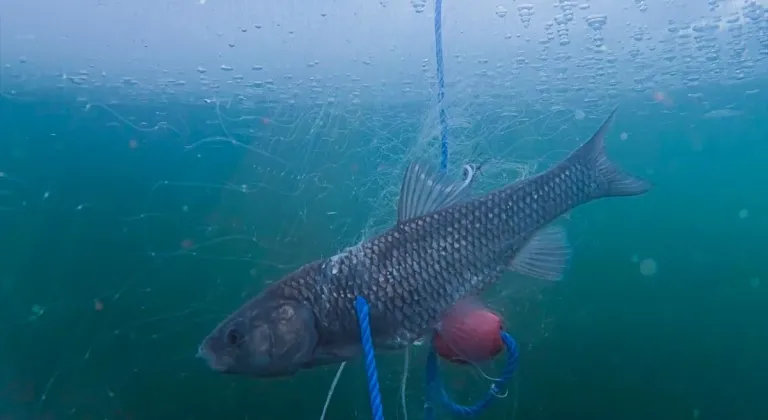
pixel 234 337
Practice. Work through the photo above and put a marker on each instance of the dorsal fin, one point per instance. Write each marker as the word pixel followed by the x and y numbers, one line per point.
pixel 425 190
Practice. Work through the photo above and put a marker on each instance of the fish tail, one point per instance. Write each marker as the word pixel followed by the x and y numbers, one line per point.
pixel 612 181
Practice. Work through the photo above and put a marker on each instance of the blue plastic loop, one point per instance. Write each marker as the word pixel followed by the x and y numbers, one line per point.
pixel 498 387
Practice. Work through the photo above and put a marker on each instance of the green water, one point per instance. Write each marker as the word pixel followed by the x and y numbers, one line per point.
pixel 124 244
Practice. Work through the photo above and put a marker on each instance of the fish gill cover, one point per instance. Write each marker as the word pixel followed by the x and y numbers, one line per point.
pixel 163 162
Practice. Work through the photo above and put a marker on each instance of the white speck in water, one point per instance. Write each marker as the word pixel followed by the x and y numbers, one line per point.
pixel 501 11
pixel 648 267
pixel 723 113
pixel 37 310
pixel 743 213
pixel 624 136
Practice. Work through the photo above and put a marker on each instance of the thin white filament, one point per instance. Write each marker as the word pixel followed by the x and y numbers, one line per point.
pixel 333 388
pixel 404 381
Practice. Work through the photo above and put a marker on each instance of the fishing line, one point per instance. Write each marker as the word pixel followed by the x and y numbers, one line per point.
pixel 404 381
pixel 333 388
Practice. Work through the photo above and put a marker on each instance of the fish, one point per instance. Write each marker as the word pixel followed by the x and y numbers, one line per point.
pixel 447 245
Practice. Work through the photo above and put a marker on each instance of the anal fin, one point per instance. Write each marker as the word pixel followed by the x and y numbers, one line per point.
pixel 545 256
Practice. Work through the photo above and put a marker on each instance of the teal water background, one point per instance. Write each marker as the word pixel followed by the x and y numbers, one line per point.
pixel 124 243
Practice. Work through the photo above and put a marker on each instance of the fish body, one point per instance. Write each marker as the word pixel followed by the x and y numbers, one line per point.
pixel 445 247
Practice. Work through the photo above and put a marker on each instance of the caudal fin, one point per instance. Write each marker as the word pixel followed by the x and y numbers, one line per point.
pixel 612 180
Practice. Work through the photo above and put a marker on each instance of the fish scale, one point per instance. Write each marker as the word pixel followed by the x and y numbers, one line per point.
pixel 445 247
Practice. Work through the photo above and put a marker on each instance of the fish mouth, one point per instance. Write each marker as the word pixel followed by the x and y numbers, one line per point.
pixel 211 360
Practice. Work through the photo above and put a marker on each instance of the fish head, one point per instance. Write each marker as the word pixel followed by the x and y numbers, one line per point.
pixel 267 337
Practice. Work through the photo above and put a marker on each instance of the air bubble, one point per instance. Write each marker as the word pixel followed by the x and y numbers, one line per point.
pixel 419 5
pixel 525 11
pixel 648 267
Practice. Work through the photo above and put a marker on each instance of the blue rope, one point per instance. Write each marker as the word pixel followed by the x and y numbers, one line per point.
pixel 433 383
pixel 498 387
pixel 370 361
pixel 441 84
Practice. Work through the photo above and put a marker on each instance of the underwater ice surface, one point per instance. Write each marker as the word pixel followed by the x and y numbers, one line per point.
pixel 161 163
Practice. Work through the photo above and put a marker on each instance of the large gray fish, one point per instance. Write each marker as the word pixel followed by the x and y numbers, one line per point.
pixel 445 247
